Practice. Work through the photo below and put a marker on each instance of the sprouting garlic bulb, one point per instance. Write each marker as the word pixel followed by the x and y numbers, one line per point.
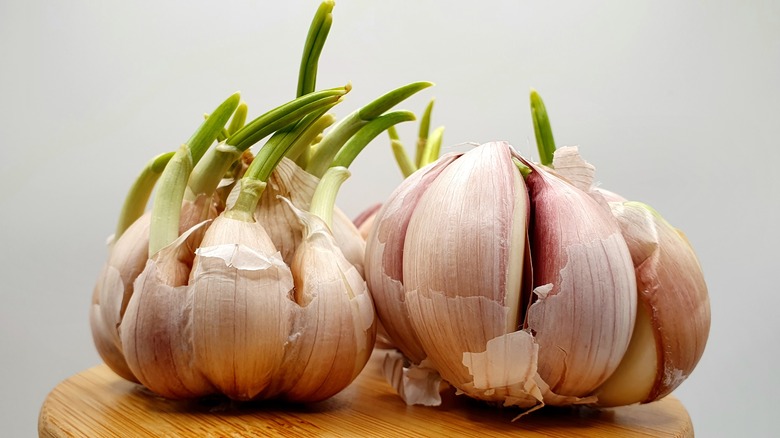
pixel 245 324
pixel 268 300
pixel 458 247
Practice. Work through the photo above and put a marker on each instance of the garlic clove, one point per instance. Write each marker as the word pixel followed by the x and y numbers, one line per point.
pixel 113 290
pixel 240 309
pixel 674 318
pixel 463 258
pixel 103 335
pixel 334 327
pixel 385 253
pixel 634 378
pixel 291 182
pixel 584 284
pixel 127 259
pixel 155 330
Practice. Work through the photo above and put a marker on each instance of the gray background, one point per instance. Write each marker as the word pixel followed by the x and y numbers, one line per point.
pixel 676 103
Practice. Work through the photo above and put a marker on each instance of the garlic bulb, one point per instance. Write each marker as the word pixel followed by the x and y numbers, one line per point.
pixel 524 284
pixel 256 292
pixel 219 309
pixel 448 265
pixel 238 326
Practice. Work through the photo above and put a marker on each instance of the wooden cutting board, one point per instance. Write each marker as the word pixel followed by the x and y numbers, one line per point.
pixel 98 403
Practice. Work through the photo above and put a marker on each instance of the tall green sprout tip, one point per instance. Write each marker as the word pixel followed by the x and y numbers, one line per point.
pixel 545 142
pixel 315 41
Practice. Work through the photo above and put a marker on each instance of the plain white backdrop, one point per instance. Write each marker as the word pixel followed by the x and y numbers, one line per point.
pixel 676 103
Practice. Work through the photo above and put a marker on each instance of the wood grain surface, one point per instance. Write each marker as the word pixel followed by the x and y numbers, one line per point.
pixel 98 403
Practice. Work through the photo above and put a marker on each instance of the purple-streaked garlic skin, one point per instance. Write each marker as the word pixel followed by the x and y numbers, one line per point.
pixel 585 285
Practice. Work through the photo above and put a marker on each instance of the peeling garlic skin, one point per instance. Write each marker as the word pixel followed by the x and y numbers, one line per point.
pixel 583 322
pixel 385 252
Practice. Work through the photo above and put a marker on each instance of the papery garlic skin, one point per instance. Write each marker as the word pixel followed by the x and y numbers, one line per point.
pixel 585 286
pixel 462 262
pixel 240 310
pixel 127 258
pixel 385 253
pixel 672 334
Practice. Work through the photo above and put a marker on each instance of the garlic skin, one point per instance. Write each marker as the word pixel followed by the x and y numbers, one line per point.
pixel 672 331
pixel 114 287
pixel 583 274
pixel 385 253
